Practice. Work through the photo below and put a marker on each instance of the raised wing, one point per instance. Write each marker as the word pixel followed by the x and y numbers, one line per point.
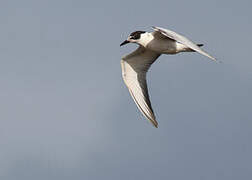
pixel 181 39
pixel 134 69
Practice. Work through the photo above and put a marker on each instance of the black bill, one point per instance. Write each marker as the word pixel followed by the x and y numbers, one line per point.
pixel 124 42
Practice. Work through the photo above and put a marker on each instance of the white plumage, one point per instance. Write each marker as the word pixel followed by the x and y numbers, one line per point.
pixel 136 64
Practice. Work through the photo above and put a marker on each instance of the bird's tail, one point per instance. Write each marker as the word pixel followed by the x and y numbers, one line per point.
pixel 191 50
pixel 187 49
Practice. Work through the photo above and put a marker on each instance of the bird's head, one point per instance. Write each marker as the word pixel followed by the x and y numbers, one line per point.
pixel 133 37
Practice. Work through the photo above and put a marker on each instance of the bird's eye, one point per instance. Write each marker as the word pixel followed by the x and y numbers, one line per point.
pixel 134 37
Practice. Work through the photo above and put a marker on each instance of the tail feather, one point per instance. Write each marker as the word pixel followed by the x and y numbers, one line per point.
pixel 191 50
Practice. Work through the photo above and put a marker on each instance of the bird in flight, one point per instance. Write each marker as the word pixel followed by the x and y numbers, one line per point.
pixel 136 64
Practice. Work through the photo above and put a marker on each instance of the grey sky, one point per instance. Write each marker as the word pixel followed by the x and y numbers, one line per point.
pixel 66 114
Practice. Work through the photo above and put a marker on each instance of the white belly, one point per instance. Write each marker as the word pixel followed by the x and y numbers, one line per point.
pixel 163 46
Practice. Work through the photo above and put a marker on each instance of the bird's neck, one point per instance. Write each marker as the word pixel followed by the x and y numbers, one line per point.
pixel 145 39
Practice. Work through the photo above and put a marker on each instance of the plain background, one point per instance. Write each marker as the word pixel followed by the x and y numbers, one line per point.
pixel 65 112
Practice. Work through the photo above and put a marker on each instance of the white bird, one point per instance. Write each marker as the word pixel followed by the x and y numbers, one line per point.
pixel 136 64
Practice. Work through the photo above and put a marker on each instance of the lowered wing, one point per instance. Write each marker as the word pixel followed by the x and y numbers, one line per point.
pixel 134 69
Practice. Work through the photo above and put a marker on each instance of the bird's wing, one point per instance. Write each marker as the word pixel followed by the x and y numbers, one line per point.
pixel 181 39
pixel 134 69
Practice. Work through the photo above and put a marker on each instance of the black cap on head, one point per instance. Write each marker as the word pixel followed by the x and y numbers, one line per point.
pixel 136 35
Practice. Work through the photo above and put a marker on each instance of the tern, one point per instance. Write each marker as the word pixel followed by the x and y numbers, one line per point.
pixel 136 64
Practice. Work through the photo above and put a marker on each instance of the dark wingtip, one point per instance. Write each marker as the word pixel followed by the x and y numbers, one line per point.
pixel 200 45
pixel 154 123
